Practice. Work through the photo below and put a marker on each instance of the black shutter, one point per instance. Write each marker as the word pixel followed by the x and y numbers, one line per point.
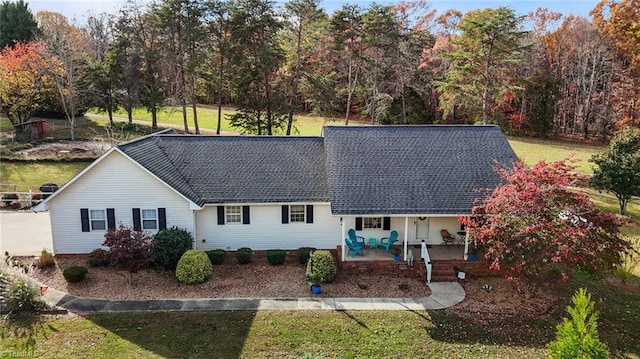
pixel 162 218
pixel 84 218
pixel 309 213
pixel 285 214
pixel 137 224
pixel 245 215
pixel 220 214
pixel 386 223
pixel 358 223
pixel 111 219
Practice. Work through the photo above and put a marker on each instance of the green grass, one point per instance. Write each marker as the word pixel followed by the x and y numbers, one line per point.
pixel 532 151
pixel 208 119
pixel 325 334
pixel 30 175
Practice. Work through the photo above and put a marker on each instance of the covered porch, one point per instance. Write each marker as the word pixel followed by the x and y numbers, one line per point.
pixel 419 235
pixel 436 252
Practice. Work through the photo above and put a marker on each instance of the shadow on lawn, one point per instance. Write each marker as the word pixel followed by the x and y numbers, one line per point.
pixel 181 334
pixel 617 324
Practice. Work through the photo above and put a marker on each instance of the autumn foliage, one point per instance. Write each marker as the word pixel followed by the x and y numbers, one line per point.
pixel 128 249
pixel 25 79
pixel 537 229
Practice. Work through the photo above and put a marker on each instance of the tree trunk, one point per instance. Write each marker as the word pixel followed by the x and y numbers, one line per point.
pixel 220 71
pixel 110 112
pixel 294 85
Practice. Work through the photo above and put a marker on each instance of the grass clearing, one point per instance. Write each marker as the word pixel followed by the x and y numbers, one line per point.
pixel 532 150
pixel 31 175
pixel 304 125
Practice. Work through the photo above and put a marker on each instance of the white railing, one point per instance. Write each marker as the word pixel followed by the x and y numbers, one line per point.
pixel 424 254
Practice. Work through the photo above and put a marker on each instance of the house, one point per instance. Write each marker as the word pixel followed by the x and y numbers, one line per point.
pixel 268 192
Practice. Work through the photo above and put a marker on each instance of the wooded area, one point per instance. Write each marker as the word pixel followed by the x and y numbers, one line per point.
pixel 540 74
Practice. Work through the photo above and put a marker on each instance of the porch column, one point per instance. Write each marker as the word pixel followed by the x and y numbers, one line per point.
pixel 466 245
pixel 342 240
pixel 406 235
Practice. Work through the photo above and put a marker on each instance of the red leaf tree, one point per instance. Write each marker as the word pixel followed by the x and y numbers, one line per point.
pixel 537 229
pixel 130 250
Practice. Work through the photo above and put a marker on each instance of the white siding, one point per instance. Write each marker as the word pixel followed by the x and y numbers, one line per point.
pixel 266 230
pixel 115 182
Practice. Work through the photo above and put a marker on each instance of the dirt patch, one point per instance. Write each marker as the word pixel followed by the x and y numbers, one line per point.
pixel 498 297
pixel 257 279
pixel 62 150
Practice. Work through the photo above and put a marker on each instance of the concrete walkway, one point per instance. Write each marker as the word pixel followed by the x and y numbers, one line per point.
pixel 443 295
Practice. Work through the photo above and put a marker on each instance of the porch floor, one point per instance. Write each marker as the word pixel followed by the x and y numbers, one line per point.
pixel 436 252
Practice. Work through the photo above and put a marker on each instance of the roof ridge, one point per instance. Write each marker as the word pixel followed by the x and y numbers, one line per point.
pixel 157 141
pixel 151 135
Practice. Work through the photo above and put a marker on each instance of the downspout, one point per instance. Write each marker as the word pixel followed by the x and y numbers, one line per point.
pixel 195 230
pixel 406 235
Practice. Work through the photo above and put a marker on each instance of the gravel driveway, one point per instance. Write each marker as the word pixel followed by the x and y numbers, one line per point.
pixel 24 233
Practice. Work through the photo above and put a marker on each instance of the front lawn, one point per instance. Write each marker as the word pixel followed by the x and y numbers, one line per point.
pixel 450 333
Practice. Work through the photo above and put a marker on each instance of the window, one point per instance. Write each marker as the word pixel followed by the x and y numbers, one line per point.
pixel 98 219
pixel 233 214
pixel 372 223
pixel 149 219
pixel 297 213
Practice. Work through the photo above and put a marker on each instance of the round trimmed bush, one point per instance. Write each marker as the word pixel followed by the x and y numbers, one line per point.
pixel 217 256
pixel 303 254
pixel 194 267
pixel 322 267
pixel 276 256
pixel 98 258
pixel 169 246
pixel 243 255
pixel 75 274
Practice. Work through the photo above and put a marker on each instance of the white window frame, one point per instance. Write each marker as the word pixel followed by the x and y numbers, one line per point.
pixel 372 222
pixel 144 219
pixel 233 217
pixel 93 220
pixel 297 213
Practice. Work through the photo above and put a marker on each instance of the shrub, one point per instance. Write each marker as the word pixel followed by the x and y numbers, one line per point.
pixel 98 258
pixel 75 274
pixel 19 295
pixel 243 255
pixel 321 267
pixel 276 256
pixel 217 256
pixel 169 246
pixel 128 249
pixel 46 259
pixel 303 254
pixel 578 337
pixel 194 267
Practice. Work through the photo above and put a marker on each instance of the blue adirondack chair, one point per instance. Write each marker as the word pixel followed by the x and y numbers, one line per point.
pixel 359 240
pixel 354 248
pixel 388 242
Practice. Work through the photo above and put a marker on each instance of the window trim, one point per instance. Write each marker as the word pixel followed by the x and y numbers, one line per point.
pixel 297 214
pixel 143 219
pixel 226 215
pixel 367 222
pixel 92 220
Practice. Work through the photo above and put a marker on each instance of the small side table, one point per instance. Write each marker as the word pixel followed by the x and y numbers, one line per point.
pixel 373 243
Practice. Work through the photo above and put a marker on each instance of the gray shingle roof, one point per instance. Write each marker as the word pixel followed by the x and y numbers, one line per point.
pixel 360 170
pixel 236 169
pixel 412 169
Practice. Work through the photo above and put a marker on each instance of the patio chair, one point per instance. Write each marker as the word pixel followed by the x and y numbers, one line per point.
pixel 447 237
pixel 354 248
pixel 359 240
pixel 388 242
